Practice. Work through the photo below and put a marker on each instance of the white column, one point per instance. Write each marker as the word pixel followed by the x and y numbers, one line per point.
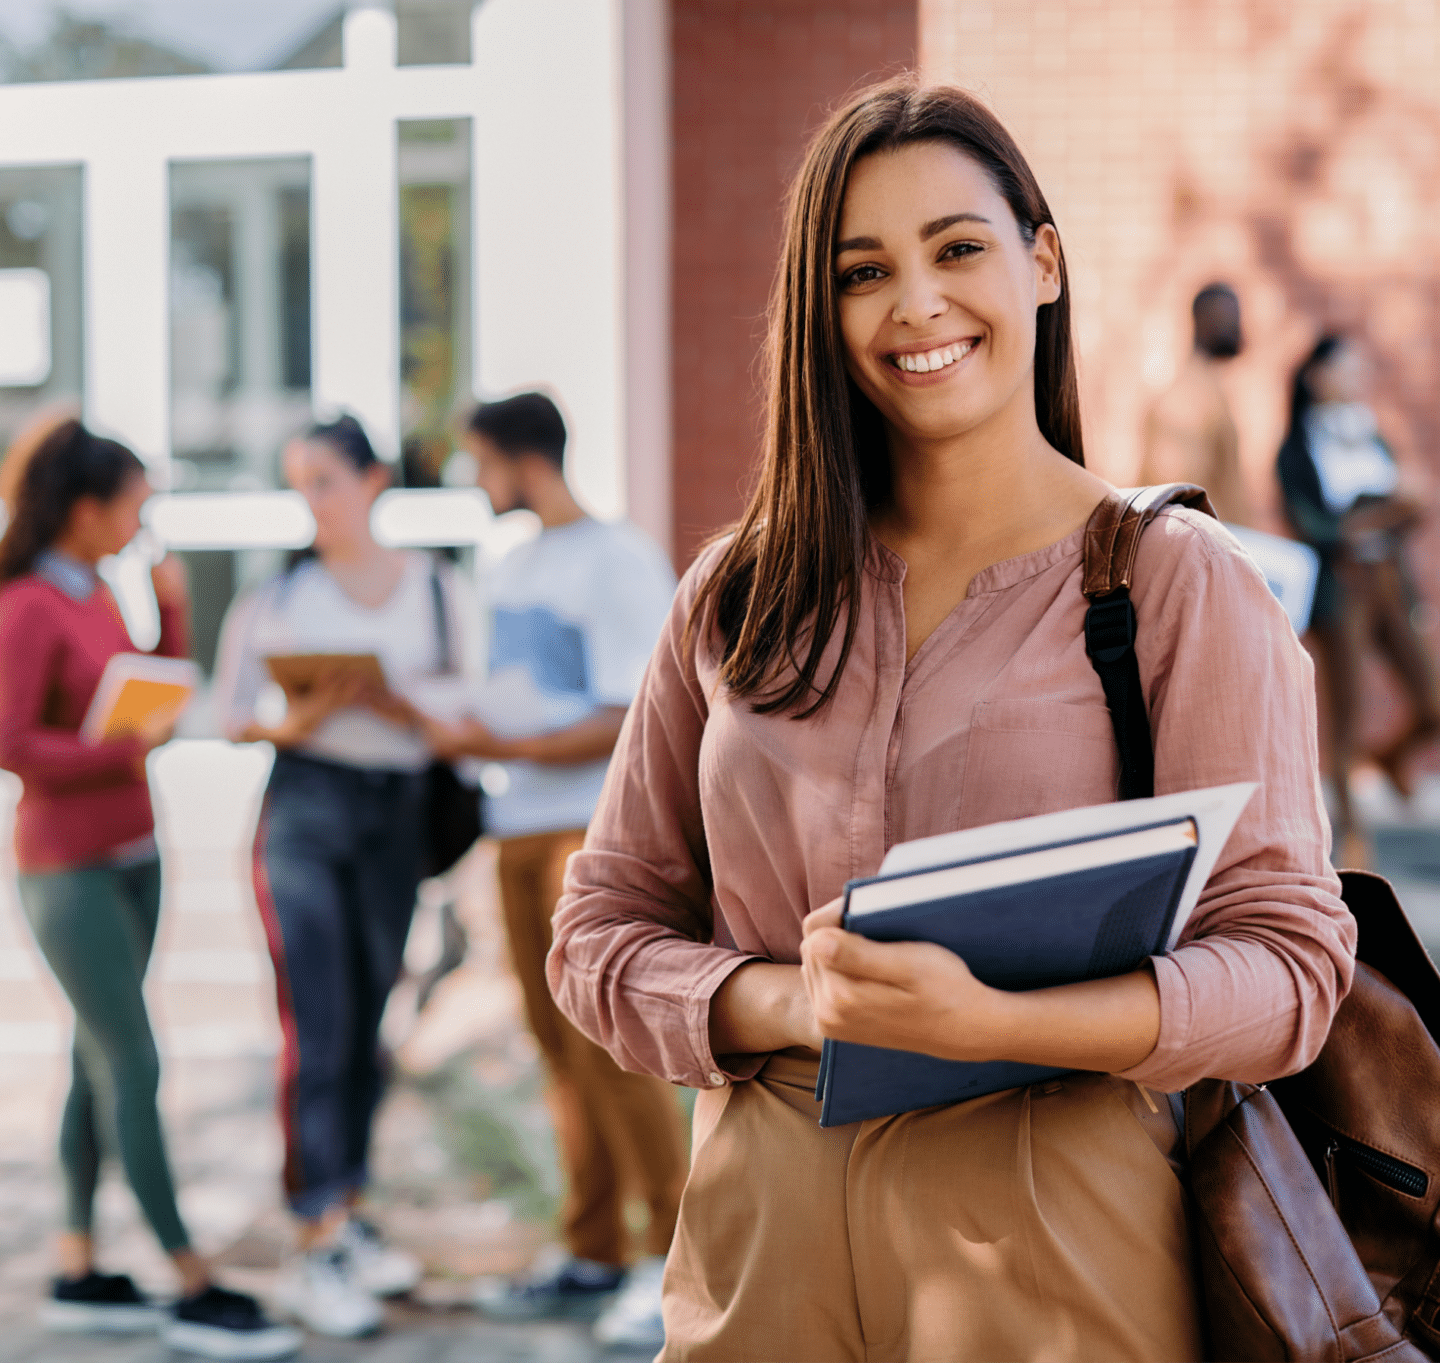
pixel 354 246
pixel 127 253
pixel 548 205
pixel 647 222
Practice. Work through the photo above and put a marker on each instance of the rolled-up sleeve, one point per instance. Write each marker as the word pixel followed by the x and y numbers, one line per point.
pixel 633 964
pixel 1251 989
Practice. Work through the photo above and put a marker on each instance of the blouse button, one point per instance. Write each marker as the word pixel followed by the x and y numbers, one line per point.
pixel 716 1079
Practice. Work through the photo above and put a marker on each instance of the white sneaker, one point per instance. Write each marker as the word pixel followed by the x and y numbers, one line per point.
pixel 632 1320
pixel 321 1290
pixel 380 1268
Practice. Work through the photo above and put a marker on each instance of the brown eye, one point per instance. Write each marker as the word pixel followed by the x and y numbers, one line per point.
pixel 861 274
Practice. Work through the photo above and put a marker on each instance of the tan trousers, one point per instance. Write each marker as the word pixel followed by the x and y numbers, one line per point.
pixel 617 1132
pixel 1042 1223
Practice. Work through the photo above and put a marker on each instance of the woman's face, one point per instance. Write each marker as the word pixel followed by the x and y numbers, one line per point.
pixel 1344 377
pixel 938 291
pixel 339 495
pixel 110 526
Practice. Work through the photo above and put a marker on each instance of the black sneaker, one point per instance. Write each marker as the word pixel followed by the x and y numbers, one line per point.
pixel 565 1287
pixel 99 1303
pixel 217 1323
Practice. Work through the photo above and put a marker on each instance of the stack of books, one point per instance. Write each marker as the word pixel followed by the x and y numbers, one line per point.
pixel 1079 895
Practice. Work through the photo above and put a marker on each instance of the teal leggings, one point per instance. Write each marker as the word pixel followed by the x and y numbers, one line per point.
pixel 96 926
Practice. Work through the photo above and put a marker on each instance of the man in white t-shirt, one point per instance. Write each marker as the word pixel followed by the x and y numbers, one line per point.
pixel 575 614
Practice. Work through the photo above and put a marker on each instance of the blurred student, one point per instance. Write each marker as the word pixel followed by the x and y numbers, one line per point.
pixel 1347 498
pixel 338 853
pixel 90 873
pixel 1190 435
pixel 574 616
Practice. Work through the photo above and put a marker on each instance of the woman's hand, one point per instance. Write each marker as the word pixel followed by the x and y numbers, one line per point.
pixel 306 712
pixel 915 996
pixel 168 578
pixel 154 733
pixel 465 738
pixel 909 996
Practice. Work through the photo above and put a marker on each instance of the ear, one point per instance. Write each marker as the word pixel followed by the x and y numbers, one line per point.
pixel 381 477
pixel 1047 264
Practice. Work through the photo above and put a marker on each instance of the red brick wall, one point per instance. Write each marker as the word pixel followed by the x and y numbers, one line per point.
pixel 751 80
pixel 1291 147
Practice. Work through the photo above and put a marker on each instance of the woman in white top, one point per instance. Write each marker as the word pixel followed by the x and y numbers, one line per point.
pixel 338 854
pixel 1346 497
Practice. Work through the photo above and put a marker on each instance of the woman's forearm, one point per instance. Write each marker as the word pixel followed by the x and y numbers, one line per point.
pixel 280 736
pixel 762 1007
pixel 1109 1025
pixel 916 996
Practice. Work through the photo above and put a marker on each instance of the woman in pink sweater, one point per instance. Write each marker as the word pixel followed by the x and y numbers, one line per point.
pixel 90 873
pixel 891 646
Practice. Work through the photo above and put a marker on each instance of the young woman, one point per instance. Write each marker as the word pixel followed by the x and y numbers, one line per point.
pixel 338 855
pixel 90 874
pixel 890 646
pixel 1346 498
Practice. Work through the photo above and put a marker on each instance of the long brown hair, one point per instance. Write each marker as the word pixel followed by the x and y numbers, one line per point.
pixel 795 559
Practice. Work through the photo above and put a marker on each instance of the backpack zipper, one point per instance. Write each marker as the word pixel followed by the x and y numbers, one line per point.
pixel 1383 1168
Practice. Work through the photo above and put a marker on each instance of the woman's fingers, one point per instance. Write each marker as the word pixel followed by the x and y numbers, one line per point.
pixel 903 995
pixel 847 953
pixel 826 916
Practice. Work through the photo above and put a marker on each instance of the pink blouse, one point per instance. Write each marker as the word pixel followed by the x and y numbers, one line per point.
pixel 720 829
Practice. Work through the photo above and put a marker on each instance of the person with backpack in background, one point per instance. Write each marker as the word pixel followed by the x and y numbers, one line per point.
pixel 574 614
pixel 338 854
pixel 90 873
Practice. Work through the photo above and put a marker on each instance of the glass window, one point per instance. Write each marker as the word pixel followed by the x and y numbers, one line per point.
pixel 239 346
pixel 434 173
pixel 41 303
pixel 100 39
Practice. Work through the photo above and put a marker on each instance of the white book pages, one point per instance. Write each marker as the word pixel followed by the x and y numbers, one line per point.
pixel 920 887
pixel 1214 810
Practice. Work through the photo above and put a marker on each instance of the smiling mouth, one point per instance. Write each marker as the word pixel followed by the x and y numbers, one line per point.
pixel 928 361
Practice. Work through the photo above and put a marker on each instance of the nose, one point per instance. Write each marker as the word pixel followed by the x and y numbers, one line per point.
pixel 919 299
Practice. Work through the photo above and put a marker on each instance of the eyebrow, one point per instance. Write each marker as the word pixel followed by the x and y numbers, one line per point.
pixel 928 230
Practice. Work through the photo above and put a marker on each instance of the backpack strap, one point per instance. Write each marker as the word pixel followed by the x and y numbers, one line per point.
pixel 444 648
pixel 1112 541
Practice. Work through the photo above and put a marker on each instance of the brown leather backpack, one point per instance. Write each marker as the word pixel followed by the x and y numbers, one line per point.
pixel 1315 1200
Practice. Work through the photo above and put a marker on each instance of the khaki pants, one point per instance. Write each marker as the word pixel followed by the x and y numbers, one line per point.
pixel 617 1132
pixel 1043 1223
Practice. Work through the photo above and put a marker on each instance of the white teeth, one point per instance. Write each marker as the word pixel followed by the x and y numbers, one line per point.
pixel 933 360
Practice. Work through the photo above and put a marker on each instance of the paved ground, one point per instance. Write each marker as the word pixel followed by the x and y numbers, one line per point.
pixel 464 1161
pixel 464 1165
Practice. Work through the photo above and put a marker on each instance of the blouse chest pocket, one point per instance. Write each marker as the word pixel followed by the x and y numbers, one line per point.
pixel 1029 757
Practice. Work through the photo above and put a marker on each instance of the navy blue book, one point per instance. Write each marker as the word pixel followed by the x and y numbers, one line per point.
pixel 1024 917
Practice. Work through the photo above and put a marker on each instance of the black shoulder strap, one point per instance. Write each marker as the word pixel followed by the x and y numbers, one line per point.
pixel 1112 539
pixel 446 656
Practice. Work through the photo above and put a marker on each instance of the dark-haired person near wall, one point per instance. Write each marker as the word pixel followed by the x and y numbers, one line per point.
pixel 338 853
pixel 574 615
pixel 890 645
pixel 1346 498
pixel 90 872
pixel 1189 435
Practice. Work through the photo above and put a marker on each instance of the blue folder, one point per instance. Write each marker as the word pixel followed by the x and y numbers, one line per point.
pixel 1080 925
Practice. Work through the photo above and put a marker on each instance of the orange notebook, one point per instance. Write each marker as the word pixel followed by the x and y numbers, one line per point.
pixel 134 688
